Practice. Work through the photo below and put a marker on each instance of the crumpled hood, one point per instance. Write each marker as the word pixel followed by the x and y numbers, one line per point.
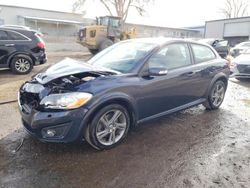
pixel 66 67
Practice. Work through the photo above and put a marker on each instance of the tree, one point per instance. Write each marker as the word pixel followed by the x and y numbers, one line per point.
pixel 118 7
pixel 235 8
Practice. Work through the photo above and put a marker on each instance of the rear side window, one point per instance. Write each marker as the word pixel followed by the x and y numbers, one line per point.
pixel 16 36
pixel 4 35
pixel 202 53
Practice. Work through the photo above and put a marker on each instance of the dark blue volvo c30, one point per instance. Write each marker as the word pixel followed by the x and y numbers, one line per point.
pixel 123 86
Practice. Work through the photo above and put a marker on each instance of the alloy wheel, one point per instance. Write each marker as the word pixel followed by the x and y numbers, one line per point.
pixel 22 65
pixel 111 127
pixel 218 94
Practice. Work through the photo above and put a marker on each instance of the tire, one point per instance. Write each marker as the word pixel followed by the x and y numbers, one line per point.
pixel 104 44
pixel 216 95
pixel 93 51
pixel 21 64
pixel 108 128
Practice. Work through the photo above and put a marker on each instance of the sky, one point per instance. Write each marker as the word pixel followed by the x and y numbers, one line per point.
pixel 168 13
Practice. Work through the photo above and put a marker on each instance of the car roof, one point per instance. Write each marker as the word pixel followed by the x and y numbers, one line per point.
pixel 15 27
pixel 164 40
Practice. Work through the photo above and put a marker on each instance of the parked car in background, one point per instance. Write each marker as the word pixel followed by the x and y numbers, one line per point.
pixel 240 66
pixel 240 49
pixel 126 84
pixel 220 45
pixel 21 49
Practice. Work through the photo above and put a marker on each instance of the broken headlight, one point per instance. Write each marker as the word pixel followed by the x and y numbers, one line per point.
pixel 66 100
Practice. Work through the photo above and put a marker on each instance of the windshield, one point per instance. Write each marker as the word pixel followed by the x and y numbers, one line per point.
pixel 222 43
pixel 244 44
pixel 104 21
pixel 247 51
pixel 115 23
pixel 123 56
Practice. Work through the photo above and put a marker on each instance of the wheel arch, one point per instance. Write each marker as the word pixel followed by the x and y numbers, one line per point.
pixel 221 76
pixel 20 54
pixel 125 102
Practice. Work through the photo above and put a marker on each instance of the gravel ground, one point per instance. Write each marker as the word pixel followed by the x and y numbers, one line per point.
pixel 192 148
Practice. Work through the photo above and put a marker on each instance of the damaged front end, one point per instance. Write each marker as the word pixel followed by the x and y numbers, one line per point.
pixel 50 98
pixel 57 81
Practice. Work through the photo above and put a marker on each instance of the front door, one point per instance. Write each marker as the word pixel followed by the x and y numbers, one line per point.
pixel 159 94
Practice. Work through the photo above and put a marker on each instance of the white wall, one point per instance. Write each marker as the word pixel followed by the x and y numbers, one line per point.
pixel 228 28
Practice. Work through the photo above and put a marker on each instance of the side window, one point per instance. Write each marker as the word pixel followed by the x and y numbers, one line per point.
pixel 171 57
pixel 16 36
pixel 202 53
pixel 3 35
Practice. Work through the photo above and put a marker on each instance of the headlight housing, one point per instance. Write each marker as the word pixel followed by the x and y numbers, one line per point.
pixel 66 100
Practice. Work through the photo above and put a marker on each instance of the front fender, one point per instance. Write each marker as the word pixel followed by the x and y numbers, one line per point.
pixel 114 97
pixel 100 102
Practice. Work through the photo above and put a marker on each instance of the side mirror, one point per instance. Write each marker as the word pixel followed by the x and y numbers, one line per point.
pixel 155 71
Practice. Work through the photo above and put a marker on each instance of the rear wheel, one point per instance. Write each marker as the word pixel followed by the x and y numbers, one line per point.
pixel 93 51
pixel 216 95
pixel 109 127
pixel 104 44
pixel 21 64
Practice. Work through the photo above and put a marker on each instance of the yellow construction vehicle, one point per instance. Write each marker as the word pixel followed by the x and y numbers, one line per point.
pixel 104 33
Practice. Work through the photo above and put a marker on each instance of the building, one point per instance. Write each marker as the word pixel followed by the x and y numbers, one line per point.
pixel 52 23
pixel 61 24
pixel 156 31
pixel 235 30
pixel 200 28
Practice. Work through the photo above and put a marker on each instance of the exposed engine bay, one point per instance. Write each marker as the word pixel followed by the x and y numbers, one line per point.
pixel 63 77
pixel 67 84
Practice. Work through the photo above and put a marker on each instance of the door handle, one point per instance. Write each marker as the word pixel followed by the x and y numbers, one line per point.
pixel 9 45
pixel 190 73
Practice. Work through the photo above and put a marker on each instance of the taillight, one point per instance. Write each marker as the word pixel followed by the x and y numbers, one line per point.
pixel 40 45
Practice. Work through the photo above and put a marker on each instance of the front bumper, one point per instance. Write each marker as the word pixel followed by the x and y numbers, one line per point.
pixel 67 125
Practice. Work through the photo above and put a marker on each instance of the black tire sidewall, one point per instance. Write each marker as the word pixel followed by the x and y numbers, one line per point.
pixel 212 106
pixel 104 44
pixel 93 125
pixel 15 58
pixel 93 51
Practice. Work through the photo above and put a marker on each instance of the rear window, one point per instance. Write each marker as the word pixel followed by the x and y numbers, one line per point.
pixel 16 36
pixel 202 53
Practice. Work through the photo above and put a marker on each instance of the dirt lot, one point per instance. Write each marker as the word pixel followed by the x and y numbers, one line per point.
pixel 192 148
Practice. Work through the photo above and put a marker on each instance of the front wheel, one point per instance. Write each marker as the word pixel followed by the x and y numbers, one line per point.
pixel 216 95
pixel 109 127
pixel 105 44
